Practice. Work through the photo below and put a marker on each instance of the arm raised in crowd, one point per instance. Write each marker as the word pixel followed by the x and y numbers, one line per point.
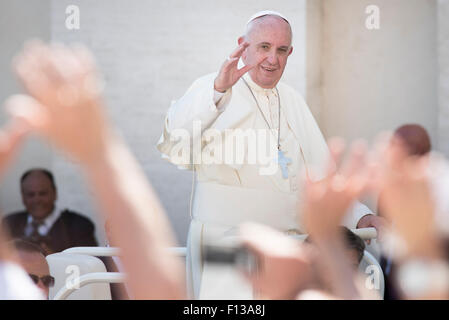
pixel 65 106
pixel 409 202
pixel 284 266
pixel 324 205
pixel 290 269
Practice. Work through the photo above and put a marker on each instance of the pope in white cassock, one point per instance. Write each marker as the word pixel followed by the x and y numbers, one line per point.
pixel 257 179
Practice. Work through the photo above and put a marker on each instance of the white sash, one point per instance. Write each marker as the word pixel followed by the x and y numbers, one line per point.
pixel 230 206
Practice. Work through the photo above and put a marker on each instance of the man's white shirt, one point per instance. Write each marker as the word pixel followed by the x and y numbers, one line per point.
pixel 46 224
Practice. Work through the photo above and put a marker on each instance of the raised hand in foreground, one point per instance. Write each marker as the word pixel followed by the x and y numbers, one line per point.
pixel 64 105
pixel 324 205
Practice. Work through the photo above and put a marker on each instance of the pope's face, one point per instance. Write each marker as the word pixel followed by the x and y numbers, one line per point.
pixel 270 41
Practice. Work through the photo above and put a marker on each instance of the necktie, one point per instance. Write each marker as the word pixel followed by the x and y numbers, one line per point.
pixel 35 235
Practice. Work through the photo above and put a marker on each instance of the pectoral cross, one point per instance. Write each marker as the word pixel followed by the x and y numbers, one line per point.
pixel 283 162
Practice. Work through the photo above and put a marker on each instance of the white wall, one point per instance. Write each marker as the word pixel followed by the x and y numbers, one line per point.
pixel 374 80
pixel 443 79
pixel 313 49
pixel 361 82
pixel 20 20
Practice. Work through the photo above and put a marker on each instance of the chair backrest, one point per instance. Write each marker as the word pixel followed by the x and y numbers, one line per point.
pixel 66 268
pixel 94 251
pixel 113 251
pixel 88 278
pixel 370 267
pixel 81 264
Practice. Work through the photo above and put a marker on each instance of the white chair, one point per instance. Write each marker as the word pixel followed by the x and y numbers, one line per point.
pixel 113 251
pixel 374 275
pixel 93 280
pixel 68 269
pixel 94 251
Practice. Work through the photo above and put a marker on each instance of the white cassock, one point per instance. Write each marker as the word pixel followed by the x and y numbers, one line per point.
pixel 228 193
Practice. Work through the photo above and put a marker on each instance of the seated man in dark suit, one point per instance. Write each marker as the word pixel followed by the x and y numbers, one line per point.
pixel 42 222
